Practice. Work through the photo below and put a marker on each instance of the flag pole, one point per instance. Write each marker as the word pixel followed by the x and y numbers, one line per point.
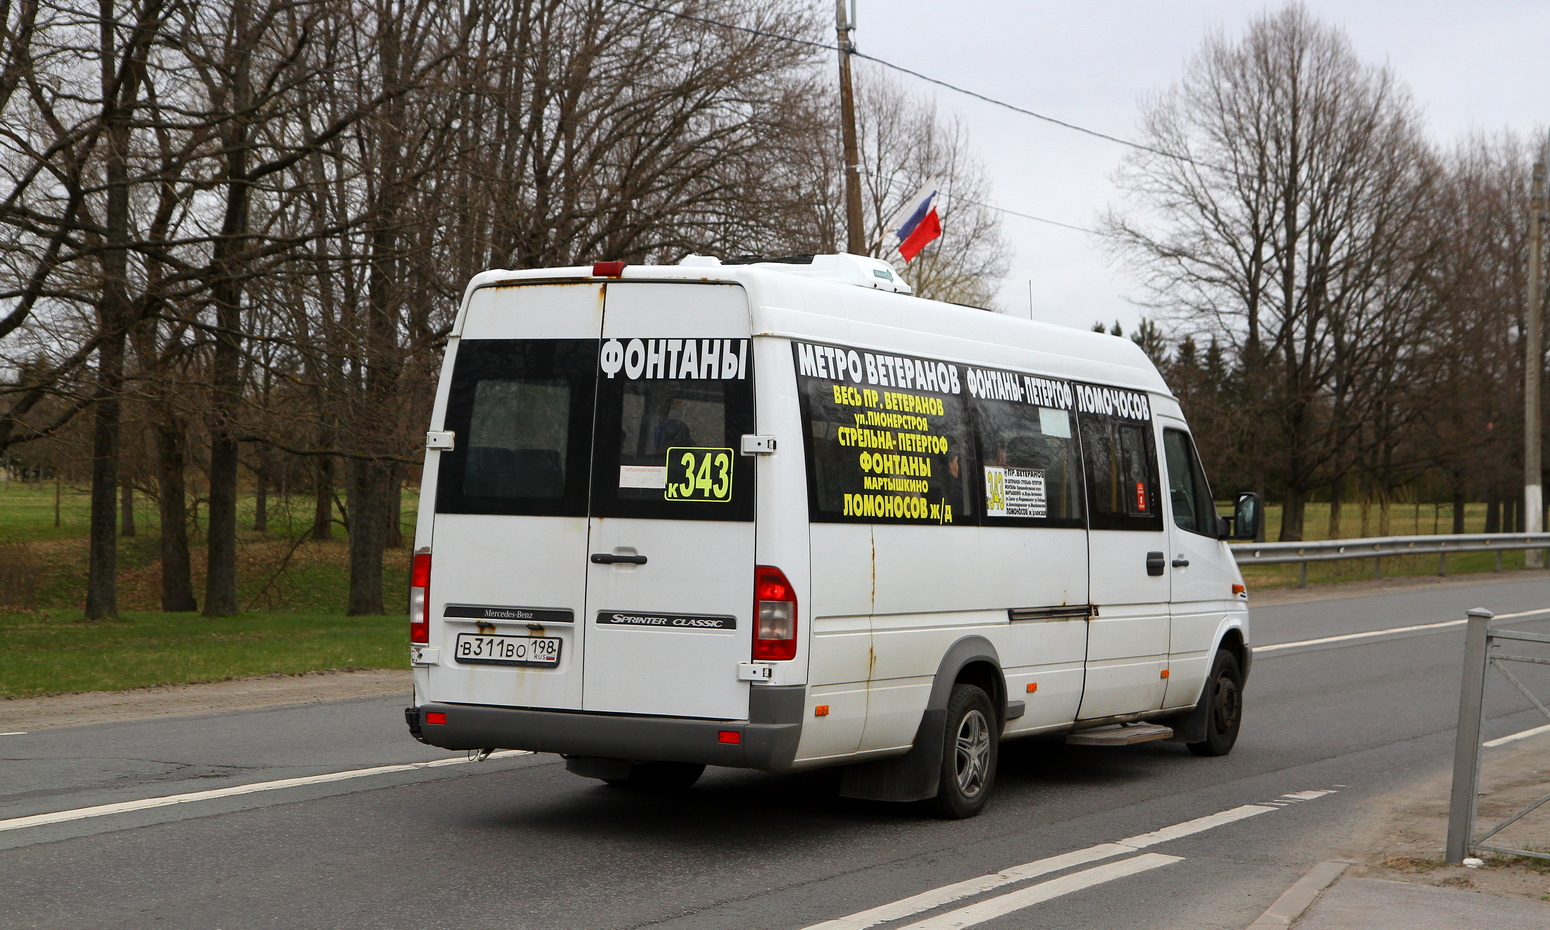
pixel 855 237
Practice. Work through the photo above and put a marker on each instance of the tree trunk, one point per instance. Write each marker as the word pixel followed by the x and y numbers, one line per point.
pixel 1458 504
pixel 1493 510
pixel 1293 504
pixel 261 495
pixel 226 364
pixel 102 565
pixel 177 586
pixel 395 507
pixel 366 496
pixel 113 314
pixel 126 510
pixel 323 499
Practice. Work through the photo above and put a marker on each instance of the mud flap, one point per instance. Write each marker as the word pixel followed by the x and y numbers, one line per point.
pixel 1190 727
pixel 911 777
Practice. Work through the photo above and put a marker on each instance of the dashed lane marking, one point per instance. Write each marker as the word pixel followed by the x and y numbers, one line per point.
pixel 103 810
pixel 1044 891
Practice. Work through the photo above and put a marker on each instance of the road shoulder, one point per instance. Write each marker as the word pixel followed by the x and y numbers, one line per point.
pixel 98 707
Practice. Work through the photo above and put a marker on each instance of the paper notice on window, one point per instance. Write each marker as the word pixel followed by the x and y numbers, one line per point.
pixel 1054 423
pixel 646 477
pixel 1015 492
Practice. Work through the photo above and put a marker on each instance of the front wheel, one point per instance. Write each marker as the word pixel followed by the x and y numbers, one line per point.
pixel 969 754
pixel 1223 698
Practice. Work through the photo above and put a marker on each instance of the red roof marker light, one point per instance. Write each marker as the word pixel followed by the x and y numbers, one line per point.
pixel 607 269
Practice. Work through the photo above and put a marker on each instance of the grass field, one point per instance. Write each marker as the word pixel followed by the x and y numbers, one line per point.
pixel 292 592
pixel 45 654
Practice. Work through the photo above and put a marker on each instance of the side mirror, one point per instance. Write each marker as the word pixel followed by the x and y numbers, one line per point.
pixel 1245 518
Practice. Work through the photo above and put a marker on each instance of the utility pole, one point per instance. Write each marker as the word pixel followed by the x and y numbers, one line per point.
pixel 855 229
pixel 1533 366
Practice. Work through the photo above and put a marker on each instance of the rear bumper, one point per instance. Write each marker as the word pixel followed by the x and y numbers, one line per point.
pixel 767 740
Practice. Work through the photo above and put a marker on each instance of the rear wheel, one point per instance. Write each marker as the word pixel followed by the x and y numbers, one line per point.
pixel 1223 698
pixel 969 754
pixel 660 776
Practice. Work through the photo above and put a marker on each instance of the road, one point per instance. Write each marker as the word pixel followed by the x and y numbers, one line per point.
pixel 1146 836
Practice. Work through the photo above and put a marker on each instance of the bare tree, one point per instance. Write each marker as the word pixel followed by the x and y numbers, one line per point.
pixel 1280 188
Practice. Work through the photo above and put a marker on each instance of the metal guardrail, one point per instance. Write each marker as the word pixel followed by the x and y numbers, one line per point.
pixel 1479 642
pixel 1376 548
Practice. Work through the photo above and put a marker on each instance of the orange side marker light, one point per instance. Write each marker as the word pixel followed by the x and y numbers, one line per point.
pixel 822 710
pixel 1033 686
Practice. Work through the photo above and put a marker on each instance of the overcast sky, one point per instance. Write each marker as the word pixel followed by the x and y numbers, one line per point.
pixel 1482 65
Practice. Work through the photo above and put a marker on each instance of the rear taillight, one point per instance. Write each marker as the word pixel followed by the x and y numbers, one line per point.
pixel 775 615
pixel 420 598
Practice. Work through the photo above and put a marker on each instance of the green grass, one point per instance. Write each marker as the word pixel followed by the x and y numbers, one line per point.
pixel 292 592
pixel 46 655
pixel 43 566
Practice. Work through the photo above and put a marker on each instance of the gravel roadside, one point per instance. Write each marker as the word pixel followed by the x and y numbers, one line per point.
pixel 216 697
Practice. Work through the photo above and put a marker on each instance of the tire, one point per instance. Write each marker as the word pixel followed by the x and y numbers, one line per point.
pixel 1223 697
pixel 660 776
pixel 969 751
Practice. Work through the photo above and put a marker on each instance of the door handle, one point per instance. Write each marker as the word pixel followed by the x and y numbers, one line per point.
pixel 608 558
pixel 1154 563
pixel 1181 562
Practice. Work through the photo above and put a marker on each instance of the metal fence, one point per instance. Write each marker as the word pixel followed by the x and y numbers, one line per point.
pixel 1479 643
pixel 1377 548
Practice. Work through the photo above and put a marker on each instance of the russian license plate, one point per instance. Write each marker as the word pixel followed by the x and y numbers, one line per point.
pixel 492 649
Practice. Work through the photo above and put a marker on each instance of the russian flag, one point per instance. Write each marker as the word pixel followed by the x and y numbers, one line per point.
pixel 922 225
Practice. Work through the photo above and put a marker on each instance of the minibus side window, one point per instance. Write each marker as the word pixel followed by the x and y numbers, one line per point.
pixel 1121 464
pixel 521 411
pixel 885 452
pixel 1029 464
pixel 1189 494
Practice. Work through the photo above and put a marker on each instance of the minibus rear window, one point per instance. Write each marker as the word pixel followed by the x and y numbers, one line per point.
pixel 671 448
pixel 521 411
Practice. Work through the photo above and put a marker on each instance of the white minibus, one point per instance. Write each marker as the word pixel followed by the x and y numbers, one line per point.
pixel 779 514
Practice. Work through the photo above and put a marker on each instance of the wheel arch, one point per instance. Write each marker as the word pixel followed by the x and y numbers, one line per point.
pixel 913 776
pixel 971 660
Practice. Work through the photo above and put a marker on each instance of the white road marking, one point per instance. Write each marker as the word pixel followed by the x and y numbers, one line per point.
pixel 947 894
pixel 982 911
pixel 102 810
pixel 15 733
pixel 1349 637
pixel 1306 795
pixel 1191 827
pixel 1391 631
pixel 1521 734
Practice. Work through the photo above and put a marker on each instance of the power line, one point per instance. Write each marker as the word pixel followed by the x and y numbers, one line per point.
pixel 1038 219
pixel 914 74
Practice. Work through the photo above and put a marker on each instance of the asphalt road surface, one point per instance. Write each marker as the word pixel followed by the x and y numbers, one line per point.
pixel 321 816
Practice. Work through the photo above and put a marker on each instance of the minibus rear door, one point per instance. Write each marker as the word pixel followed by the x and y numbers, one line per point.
pixel 670 568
